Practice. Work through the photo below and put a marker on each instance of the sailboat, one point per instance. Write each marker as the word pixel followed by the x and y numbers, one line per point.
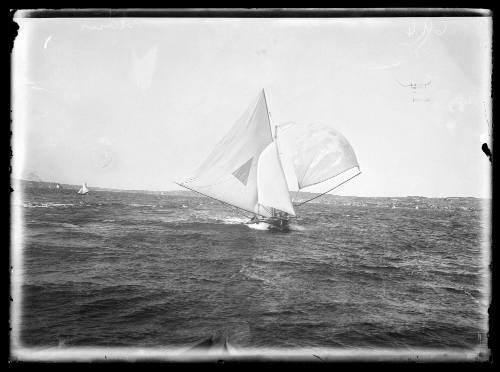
pixel 83 190
pixel 57 186
pixel 247 167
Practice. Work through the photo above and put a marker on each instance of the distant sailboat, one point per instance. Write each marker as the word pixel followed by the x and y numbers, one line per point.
pixel 57 186
pixel 246 168
pixel 83 190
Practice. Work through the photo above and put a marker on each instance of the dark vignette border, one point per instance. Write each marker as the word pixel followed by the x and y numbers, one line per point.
pixel 256 13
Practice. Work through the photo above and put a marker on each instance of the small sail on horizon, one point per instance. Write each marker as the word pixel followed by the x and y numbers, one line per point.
pixel 83 190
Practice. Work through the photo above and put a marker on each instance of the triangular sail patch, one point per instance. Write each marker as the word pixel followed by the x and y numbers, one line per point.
pixel 242 172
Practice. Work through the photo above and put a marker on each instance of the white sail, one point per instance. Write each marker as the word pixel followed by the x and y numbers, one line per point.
pixel 318 153
pixel 271 183
pixel 229 174
pixel 83 189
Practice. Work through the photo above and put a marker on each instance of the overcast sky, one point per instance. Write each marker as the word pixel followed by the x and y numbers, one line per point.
pixel 138 103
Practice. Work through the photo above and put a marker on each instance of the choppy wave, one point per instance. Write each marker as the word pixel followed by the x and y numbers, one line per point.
pixel 123 269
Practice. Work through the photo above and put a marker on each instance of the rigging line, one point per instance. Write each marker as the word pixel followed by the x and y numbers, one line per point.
pixel 414 85
pixel 400 83
pixel 298 205
pixel 217 182
pixel 329 178
pixel 220 201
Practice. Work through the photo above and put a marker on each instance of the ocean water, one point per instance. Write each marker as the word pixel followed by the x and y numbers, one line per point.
pixel 149 270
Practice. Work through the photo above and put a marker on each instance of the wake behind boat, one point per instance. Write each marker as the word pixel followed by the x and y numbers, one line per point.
pixel 247 167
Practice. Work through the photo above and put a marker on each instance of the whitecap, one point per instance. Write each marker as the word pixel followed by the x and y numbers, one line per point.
pixel 70 225
pixel 259 226
pixel 234 220
pixel 35 205
pixel 297 227
pixel 60 204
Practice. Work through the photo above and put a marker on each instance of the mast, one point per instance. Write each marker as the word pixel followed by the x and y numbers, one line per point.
pixel 275 137
pixel 270 128
pixel 267 111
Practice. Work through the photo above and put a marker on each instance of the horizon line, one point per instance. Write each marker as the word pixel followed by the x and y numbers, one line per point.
pixel 308 192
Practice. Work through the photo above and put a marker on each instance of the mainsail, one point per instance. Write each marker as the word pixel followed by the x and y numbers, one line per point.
pixel 229 174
